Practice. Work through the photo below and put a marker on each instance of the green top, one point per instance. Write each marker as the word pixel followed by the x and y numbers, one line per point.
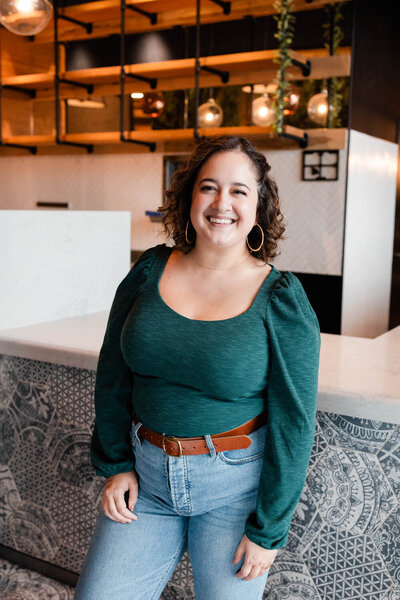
pixel 188 377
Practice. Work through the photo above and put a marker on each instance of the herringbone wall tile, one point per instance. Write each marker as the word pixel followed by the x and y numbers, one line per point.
pixel 314 210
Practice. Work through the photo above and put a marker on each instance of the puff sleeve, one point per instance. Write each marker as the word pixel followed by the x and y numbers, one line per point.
pixel 291 395
pixel 110 450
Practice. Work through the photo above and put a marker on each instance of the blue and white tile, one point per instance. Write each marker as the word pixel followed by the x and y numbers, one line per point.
pixel 72 392
pixel 34 371
pixel 344 536
pixel 9 379
pixel 387 540
pixel 73 514
pixel 180 586
pixel 344 565
pixel 289 579
pixel 69 452
pixel 389 458
pixel 32 471
pixel 354 433
pixel 319 446
pixel 18 583
pixel 393 593
pixel 306 523
pixel 9 436
pixel 33 531
pixel 351 491
pixel 9 501
pixel 34 402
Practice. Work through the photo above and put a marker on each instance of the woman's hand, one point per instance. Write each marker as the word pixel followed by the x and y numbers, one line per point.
pixel 113 503
pixel 257 559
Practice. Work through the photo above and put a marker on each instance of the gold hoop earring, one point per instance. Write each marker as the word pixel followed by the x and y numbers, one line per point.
pixel 187 225
pixel 262 241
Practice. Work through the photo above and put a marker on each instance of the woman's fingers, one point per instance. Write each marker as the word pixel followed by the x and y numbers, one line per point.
pixel 251 571
pixel 121 507
pixel 113 512
pixel 114 505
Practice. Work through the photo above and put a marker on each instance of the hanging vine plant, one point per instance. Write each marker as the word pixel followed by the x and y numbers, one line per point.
pixel 285 30
pixel 333 35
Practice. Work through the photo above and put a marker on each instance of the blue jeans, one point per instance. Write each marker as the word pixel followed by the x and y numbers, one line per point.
pixel 197 502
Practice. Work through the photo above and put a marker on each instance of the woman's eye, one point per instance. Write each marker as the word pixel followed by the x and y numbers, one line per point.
pixel 207 187
pixel 241 192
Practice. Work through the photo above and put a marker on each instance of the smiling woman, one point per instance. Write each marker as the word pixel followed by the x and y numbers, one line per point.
pixel 223 213
pixel 205 394
pixel 203 179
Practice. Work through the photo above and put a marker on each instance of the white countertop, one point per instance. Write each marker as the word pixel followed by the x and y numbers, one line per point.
pixel 358 377
pixel 74 342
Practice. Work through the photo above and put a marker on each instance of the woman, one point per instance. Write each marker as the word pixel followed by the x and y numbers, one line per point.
pixel 205 393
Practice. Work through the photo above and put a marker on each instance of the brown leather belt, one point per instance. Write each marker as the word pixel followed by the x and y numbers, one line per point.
pixel 234 439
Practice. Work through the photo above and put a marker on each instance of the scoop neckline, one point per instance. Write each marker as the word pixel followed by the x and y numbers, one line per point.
pixel 163 259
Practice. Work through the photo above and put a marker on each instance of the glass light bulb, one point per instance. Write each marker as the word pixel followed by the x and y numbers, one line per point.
pixel 210 114
pixel 317 108
pixel 25 17
pixel 262 111
pixel 153 103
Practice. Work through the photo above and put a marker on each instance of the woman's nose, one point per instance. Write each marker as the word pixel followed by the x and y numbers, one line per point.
pixel 222 199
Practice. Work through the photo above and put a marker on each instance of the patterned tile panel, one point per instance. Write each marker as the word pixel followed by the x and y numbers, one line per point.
pixel 344 541
pixel 289 579
pixel 345 565
pixel 71 391
pixel 389 457
pixel 387 540
pixel 352 432
pixel 33 531
pixel 351 490
pixel 306 523
pixel 180 585
pixel 320 443
pixel 393 593
pixel 17 583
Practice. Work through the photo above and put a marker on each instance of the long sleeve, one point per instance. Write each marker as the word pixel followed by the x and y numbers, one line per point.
pixel 292 387
pixel 110 449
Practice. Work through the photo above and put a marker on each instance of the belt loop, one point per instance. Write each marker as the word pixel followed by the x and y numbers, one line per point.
pixel 211 447
pixel 135 432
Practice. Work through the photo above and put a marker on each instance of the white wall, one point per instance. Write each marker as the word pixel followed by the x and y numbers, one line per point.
pixel 133 182
pixel 369 235
pixel 60 264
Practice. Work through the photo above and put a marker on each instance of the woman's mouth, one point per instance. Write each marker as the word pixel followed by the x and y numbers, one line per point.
pixel 219 222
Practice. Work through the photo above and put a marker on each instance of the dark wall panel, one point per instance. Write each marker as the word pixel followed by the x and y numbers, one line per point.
pixel 375 85
pixel 227 37
pixel 325 295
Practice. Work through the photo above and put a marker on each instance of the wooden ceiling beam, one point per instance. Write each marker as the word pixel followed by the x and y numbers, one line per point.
pixel 105 16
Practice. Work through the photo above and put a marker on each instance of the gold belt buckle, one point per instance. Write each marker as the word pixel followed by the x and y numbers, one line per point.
pixel 173 438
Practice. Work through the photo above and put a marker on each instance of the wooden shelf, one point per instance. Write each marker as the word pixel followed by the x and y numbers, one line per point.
pixel 106 14
pixel 243 68
pixel 320 138
pixel 29 65
pixel 32 81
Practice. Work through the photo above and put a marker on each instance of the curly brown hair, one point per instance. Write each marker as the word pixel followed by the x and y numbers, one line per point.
pixel 177 201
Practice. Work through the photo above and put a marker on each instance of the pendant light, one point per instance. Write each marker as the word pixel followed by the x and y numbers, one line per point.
pixel 210 114
pixel 153 104
pixel 262 111
pixel 25 17
pixel 317 108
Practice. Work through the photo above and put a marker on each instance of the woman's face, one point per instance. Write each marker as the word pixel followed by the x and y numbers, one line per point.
pixel 226 187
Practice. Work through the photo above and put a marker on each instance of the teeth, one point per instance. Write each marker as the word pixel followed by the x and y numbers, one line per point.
pixel 214 220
